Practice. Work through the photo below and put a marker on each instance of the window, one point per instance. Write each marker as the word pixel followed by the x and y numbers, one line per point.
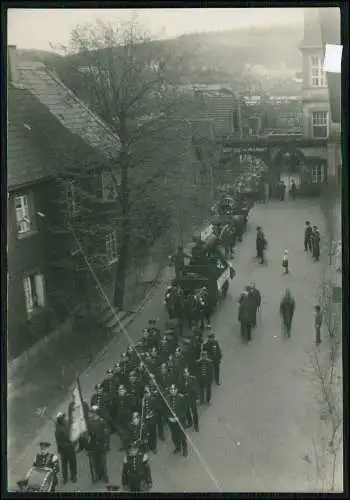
pixel 317 174
pixel 109 189
pixel 71 198
pixel 34 292
pixel 317 73
pixel 320 124
pixel 111 247
pixel 23 218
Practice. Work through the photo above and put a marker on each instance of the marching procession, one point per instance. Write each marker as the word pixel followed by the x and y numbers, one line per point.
pixel 159 382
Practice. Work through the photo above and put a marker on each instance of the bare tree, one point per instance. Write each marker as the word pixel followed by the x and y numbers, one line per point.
pixel 122 74
pixel 325 372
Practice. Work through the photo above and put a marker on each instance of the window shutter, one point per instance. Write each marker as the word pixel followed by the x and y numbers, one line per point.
pixel 28 294
pixel 40 289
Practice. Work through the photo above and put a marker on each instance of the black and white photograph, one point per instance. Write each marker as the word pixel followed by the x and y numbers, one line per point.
pixel 174 250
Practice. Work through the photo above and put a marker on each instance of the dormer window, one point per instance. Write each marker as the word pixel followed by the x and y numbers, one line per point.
pixel 317 74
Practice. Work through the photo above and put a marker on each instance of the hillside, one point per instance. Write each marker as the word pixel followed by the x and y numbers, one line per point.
pixel 268 55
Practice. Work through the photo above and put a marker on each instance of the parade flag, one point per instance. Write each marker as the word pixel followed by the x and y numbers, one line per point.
pixel 78 425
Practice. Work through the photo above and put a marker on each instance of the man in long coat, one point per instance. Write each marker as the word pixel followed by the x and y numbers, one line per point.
pixel 287 307
pixel 246 314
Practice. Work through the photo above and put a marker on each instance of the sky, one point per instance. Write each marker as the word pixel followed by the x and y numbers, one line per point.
pixel 37 28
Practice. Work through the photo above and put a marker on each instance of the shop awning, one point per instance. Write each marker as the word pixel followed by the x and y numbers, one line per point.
pixel 314 153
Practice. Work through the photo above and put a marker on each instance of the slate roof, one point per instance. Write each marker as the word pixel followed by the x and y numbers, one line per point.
pixel 218 108
pixel 33 135
pixel 67 108
pixel 25 163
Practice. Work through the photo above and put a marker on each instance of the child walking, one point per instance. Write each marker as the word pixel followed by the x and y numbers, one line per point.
pixel 285 268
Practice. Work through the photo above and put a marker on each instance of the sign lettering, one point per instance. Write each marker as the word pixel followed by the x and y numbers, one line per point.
pixel 249 149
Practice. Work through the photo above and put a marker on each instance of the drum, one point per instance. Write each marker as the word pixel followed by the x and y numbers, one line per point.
pixel 40 480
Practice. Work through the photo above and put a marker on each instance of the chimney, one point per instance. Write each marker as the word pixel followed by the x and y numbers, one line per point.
pixel 12 62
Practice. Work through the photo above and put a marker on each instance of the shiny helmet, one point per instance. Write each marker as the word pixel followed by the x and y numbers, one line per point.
pixel 173 390
pixel 135 418
pixel 178 352
pixel 154 352
pixel 121 390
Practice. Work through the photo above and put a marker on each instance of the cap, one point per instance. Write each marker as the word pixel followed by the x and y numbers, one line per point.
pixel 44 444
pixel 94 408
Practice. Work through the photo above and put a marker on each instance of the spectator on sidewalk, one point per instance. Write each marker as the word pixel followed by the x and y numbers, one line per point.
pixel 308 237
pixel 316 243
pixel 318 323
pixel 65 449
pixel 293 190
pixel 285 262
pixel 287 308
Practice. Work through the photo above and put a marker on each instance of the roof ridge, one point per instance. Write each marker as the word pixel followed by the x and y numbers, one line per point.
pixel 53 75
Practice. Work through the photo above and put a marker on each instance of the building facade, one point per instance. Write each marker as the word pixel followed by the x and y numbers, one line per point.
pixel 53 140
pixel 315 99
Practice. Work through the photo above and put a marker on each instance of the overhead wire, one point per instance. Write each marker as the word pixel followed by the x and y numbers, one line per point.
pixel 160 392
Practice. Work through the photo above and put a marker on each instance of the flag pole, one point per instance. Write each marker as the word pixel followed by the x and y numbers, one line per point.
pixel 91 467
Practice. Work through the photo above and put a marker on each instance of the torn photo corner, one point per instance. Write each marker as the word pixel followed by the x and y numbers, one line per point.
pixel 332 59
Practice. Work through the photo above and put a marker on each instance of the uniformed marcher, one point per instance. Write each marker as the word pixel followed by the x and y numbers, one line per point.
pixel 159 405
pixel 154 333
pixel 164 349
pixel 136 430
pixel 110 391
pixel 212 347
pixel 118 377
pixel 134 359
pixel 188 387
pixel 123 415
pixel 134 389
pixel 99 399
pixel 125 365
pixel 99 445
pixel 176 419
pixel 142 375
pixel 204 377
pixel 47 459
pixel 180 360
pixel 316 238
pixel 173 373
pixel 136 473
pixel 179 261
pixel 65 448
pixel 150 421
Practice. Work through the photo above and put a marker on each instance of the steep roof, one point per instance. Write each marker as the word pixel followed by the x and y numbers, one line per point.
pixel 67 108
pixel 25 163
pixel 34 141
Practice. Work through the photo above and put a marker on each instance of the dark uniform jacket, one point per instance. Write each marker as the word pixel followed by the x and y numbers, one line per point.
pixel 100 435
pixel 164 381
pixel 123 408
pixel 149 407
pixel 177 403
pixel 134 393
pixel 212 347
pixel 134 431
pixel 62 437
pixel 136 468
pixel 164 350
pixel 154 335
pixel 118 379
pixel 188 387
pixel 100 401
pixel 205 370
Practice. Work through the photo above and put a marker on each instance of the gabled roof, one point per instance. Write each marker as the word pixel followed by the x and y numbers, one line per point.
pixel 25 163
pixel 62 103
pixel 34 138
